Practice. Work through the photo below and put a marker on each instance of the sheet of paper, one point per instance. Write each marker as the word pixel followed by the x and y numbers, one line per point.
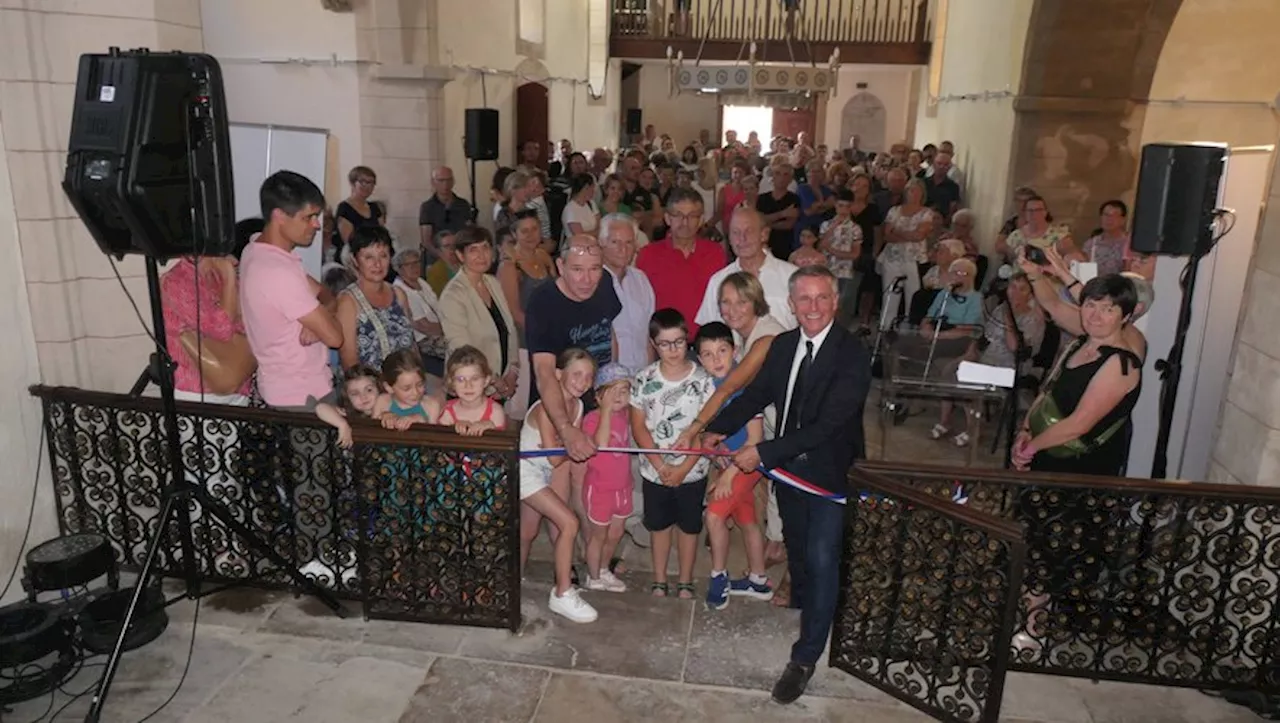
pixel 1084 270
pixel 974 373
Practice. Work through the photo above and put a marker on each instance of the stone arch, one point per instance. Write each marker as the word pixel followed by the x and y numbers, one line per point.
pixel 531 71
pixel 1086 76
pixel 1081 48
pixel 864 115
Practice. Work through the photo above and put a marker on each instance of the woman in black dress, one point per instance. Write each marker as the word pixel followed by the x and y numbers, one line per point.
pixel 1079 424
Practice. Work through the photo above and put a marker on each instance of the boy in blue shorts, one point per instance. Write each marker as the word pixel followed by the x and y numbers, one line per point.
pixel 731 494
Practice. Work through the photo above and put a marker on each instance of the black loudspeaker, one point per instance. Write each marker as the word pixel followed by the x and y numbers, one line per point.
pixel 482 134
pixel 1177 198
pixel 149 159
pixel 635 122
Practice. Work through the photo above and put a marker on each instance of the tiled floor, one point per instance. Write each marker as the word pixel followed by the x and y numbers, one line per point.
pixel 266 657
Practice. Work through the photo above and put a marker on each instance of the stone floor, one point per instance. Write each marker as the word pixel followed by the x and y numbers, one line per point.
pixel 266 657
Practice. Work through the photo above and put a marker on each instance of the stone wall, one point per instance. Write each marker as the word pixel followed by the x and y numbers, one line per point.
pixel 1247 449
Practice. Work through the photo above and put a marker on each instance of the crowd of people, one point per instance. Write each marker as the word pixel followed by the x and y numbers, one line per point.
pixel 718 298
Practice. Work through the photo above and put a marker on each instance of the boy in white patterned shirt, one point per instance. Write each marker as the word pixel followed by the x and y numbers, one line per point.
pixel 841 240
pixel 665 398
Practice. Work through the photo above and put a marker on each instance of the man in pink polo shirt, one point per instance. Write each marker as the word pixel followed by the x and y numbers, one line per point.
pixel 679 266
pixel 289 330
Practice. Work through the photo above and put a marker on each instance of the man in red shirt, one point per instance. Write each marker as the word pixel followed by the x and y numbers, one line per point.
pixel 680 265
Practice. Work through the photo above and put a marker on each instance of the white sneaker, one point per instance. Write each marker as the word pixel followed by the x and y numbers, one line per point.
pixel 572 606
pixel 607 582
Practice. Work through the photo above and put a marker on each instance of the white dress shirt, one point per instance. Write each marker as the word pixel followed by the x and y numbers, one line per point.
pixel 775 275
pixel 632 325
pixel 801 350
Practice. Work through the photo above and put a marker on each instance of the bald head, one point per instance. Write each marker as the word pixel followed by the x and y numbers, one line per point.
pixel 442 181
pixel 748 234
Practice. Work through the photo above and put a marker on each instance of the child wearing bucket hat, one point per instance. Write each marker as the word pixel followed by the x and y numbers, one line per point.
pixel 607 487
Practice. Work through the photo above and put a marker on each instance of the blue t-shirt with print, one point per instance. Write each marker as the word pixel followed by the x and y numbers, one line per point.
pixel 735 441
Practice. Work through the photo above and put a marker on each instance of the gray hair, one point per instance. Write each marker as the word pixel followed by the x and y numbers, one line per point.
pixel 613 219
pixel 516 179
pixel 407 256
pixel 964 213
pixel 1146 292
pixel 954 245
pixel 810 272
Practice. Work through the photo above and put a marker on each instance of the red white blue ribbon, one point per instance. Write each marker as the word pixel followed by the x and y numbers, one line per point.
pixel 777 475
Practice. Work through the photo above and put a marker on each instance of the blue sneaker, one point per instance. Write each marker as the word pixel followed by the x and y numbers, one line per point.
pixel 758 590
pixel 718 592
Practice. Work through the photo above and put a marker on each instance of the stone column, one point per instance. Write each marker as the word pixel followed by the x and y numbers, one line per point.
pixel 1077 153
pixel 400 106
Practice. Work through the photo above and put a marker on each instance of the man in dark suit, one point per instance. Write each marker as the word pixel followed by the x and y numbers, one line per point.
pixel 817 377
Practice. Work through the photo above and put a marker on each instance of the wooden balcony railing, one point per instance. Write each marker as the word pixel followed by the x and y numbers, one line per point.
pixel 649 26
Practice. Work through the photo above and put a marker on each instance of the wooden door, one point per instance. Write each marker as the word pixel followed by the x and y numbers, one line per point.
pixel 532 122
pixel 790 123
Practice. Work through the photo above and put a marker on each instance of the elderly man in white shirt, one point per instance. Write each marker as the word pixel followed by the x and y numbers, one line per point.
pixel 618 242
pixel 748 235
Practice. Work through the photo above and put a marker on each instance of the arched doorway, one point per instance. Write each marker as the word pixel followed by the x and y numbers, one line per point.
pixel 864 116
pixel 532 123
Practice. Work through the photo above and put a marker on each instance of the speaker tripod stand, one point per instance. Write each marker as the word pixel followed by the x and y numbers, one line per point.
pixel 178 496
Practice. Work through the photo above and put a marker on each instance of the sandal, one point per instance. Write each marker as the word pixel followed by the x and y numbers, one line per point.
pixel 962 439
pixel 685 591
pixel 938 432
pixel 659 589
pixel 782 595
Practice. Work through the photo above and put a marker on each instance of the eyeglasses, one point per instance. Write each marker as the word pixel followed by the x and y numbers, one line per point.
pixel 583 250
pixel 674 345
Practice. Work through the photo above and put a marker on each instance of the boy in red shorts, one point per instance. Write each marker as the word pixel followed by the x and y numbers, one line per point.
pixel 731 495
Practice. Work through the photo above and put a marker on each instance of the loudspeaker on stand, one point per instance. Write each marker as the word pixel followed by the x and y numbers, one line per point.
pixel 1174 209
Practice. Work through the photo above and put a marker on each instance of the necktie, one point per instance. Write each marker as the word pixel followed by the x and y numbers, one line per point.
pixel 798 391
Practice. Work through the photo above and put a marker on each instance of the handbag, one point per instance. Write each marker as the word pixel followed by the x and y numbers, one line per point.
pixel 224 365
pixel 1047 413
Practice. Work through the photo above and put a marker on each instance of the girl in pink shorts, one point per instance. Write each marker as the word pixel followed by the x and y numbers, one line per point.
pixel 606 490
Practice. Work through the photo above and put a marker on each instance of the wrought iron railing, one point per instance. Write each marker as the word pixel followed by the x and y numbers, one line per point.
pixel 929 590
pixel 817 21
pixel 419 525
pixel 1145 581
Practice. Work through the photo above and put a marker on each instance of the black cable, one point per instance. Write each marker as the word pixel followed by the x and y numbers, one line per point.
pixel 195 618
pixel 141 319
pixel 31 515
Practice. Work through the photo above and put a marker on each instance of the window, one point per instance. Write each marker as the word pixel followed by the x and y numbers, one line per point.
pixel 746 118
pixel 531 25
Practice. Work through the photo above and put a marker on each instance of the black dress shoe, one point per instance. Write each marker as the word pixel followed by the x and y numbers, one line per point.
pixel 792 683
